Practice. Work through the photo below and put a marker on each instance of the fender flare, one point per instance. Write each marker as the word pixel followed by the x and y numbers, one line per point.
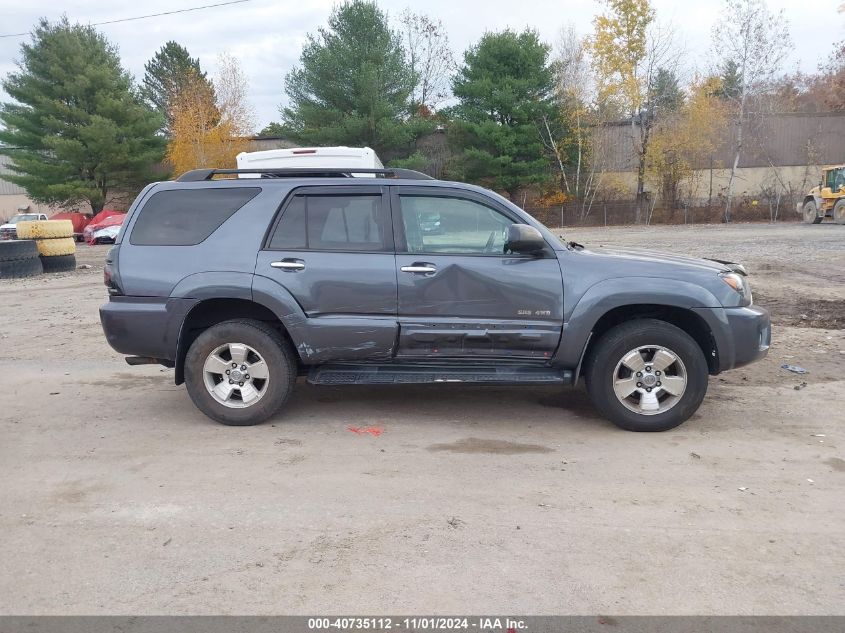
pixel 234 285
pixel 815 199
pixel 214 285
pixel 609 294
pixel 247 286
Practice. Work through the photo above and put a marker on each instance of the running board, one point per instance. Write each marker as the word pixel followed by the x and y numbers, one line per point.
pixel 422 374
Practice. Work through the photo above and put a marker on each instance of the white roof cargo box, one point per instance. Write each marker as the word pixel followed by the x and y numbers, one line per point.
pixel 309 157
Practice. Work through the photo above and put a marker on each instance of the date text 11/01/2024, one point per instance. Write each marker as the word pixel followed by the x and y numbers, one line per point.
pixel 506 625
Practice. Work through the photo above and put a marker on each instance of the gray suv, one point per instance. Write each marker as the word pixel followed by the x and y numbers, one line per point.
pixel 244 283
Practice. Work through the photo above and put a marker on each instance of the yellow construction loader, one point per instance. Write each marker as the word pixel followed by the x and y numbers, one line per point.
pixel 827 200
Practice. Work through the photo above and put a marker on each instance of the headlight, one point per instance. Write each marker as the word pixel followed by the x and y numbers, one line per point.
pixel 738 283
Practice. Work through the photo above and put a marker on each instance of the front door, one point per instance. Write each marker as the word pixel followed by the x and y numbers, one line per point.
pixel 460 294
pixel 332 249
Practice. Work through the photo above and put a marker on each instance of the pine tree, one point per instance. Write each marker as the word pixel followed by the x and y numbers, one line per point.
pixel 169 71
pixel 80 129
pixel 504 91
pixel 353 83
pixel 666 93
pixel 731 84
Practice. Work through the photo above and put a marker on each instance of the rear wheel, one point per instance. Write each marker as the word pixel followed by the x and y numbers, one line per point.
pixel 839 211
pixel 646 375
pixel 240 372
pixel 811 213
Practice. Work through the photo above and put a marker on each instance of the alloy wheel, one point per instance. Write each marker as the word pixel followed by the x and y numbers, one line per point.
pixel 236 375
pixel 650 379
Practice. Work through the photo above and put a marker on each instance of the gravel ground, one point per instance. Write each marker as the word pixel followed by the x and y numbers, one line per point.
pixel 118 497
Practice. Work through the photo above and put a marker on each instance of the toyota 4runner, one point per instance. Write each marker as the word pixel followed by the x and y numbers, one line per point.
pixel 243 284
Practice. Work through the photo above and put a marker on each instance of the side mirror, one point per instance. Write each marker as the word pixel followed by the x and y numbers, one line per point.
pixel 524 239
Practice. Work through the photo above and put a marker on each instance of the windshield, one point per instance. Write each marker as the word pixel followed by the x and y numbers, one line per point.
pixel 22 217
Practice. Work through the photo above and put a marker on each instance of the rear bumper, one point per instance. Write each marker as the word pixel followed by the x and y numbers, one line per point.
pixel 144 326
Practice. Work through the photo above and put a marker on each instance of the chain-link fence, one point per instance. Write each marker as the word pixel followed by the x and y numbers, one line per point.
pixel 624 212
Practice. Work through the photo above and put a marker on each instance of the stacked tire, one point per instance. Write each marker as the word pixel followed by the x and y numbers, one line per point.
pixel 54 241
pixel 19 258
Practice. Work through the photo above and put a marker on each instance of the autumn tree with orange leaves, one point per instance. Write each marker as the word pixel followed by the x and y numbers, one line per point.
pixel 210 126
pixel 684 138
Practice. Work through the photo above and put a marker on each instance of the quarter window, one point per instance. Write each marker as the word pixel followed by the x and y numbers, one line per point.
pixel 290 232
pixel 452 225
pixel 331 223
pixel 186 217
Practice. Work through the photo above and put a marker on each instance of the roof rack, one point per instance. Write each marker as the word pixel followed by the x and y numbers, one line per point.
pixel 198 175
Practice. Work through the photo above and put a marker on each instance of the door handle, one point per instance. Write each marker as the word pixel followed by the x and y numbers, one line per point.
pixel 289 265
pixel 419 269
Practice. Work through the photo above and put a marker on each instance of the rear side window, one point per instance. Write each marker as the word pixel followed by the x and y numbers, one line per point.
pixel 290 232
pixel 187 216
pixel 331 223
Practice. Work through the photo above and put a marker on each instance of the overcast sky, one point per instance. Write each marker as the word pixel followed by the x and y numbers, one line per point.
pixel 267 35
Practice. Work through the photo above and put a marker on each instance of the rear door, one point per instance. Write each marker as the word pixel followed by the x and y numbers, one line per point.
pixel 331 247
pixel 460 294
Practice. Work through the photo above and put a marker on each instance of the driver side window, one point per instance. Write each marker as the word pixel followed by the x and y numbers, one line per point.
pixel 440 225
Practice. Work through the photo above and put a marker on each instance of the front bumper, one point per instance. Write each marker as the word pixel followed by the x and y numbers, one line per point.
pixel 740 335
pixel 751 331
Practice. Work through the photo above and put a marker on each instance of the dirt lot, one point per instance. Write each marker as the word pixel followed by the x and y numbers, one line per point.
pixel 117 496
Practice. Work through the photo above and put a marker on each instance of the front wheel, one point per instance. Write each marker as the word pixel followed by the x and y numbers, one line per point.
pixel 811 213
pixel 240 372
pixel 646 375
pixel 839 211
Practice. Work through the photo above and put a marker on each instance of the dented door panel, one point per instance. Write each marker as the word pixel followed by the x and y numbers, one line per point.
pixel 493 306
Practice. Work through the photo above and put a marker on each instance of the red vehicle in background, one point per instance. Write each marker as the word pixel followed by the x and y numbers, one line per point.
pixel 79 221
pixel 104 227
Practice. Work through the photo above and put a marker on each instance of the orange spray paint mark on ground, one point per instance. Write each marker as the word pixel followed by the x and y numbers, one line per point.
pixel 375 431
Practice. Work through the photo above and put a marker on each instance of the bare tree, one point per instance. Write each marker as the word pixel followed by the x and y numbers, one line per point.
pixel 574 88
pixel 576 153
pixel 430 58
pixel 661 54
pixel 756 41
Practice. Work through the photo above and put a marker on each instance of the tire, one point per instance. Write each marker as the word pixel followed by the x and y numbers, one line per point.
pixel 56 246
pixel 44 229
pixel 17 268
pixel 267 344
pixel 605 366
pixel 810 213
pixel 11 250
pixel 58 263
pixel 839 211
